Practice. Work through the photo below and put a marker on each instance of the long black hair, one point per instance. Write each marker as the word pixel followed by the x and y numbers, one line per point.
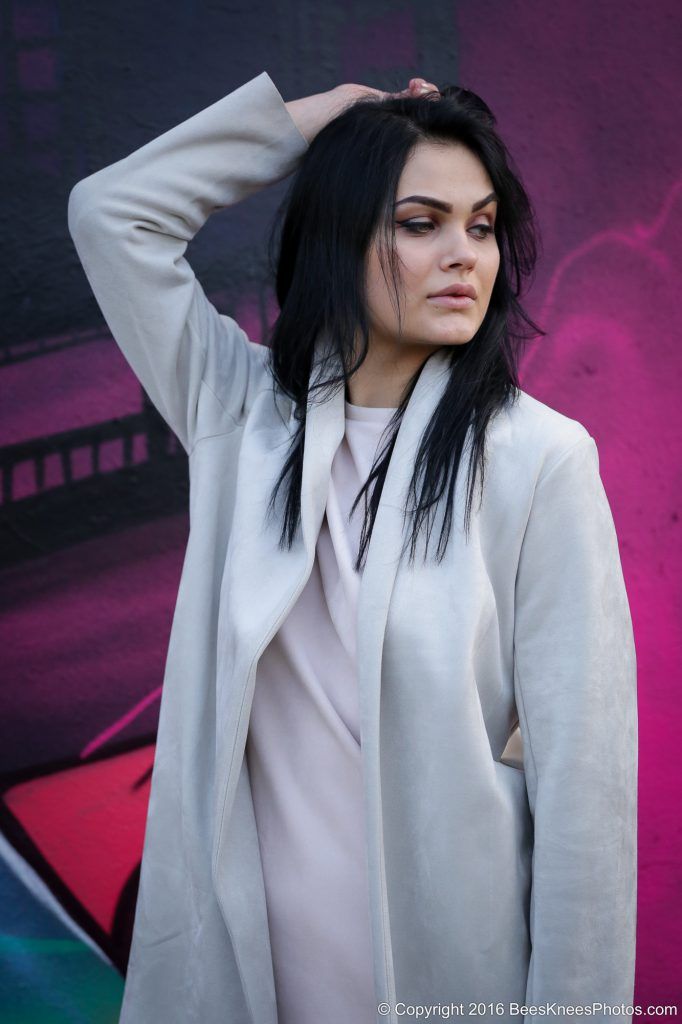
pixel 341 194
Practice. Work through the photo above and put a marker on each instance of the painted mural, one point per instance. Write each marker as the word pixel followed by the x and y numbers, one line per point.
pixel 93 505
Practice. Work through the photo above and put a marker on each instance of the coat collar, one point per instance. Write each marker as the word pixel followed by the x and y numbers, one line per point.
pixel 324 431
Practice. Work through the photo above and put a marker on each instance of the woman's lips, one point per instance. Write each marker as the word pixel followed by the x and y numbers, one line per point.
pixel 451 301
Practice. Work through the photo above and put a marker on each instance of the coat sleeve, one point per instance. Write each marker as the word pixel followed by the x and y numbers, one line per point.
pixel 131 223
pixel 576 692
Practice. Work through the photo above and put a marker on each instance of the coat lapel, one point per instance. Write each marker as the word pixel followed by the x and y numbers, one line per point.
pixel 260 585
pixel 376 585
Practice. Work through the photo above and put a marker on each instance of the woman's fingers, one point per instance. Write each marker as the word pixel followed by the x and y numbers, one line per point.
pixel 418 86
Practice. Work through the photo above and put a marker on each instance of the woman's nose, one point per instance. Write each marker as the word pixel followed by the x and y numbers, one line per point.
pixel 459 252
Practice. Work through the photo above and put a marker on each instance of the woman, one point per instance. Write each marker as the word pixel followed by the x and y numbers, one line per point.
pixel 395 768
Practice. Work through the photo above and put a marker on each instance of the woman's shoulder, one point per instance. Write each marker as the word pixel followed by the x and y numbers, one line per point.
pixel 530 433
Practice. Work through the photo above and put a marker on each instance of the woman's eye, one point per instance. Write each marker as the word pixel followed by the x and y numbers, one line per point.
pixel 418 227
pixel 415 226
pixel 485 228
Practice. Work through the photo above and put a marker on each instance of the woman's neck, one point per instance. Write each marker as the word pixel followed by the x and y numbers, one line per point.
pixel 386 372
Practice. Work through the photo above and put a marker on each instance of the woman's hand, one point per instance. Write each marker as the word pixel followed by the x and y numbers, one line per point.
pixel 416 87
pixel 312 113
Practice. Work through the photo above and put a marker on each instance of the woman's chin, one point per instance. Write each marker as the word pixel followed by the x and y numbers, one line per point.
pixel 459 338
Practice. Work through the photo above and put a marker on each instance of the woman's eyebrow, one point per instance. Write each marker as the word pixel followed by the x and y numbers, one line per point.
pixel 438 204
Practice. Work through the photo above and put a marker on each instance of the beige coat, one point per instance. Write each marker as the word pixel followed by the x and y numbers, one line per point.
pixel 497 689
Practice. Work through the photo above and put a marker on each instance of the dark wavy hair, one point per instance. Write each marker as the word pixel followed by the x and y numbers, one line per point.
pixel 341 195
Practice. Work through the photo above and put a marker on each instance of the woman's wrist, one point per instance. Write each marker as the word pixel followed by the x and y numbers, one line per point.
pixel 311 113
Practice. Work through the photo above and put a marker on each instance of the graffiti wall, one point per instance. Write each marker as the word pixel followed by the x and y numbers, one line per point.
pixel 93 506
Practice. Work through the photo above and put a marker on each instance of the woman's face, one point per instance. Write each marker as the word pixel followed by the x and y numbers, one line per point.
pixel 436 248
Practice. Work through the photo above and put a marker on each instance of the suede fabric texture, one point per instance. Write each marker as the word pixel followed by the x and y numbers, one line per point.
pixel 497 690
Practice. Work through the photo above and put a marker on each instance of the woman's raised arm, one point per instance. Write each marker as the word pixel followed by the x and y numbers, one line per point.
pixel 131 222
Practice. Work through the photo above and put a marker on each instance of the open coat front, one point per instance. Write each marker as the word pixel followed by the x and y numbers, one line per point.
pixel 497 690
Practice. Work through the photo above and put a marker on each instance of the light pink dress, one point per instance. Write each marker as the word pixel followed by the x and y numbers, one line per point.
pixel 303 751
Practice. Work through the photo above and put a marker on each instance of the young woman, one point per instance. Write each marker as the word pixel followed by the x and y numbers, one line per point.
pixel 397 749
